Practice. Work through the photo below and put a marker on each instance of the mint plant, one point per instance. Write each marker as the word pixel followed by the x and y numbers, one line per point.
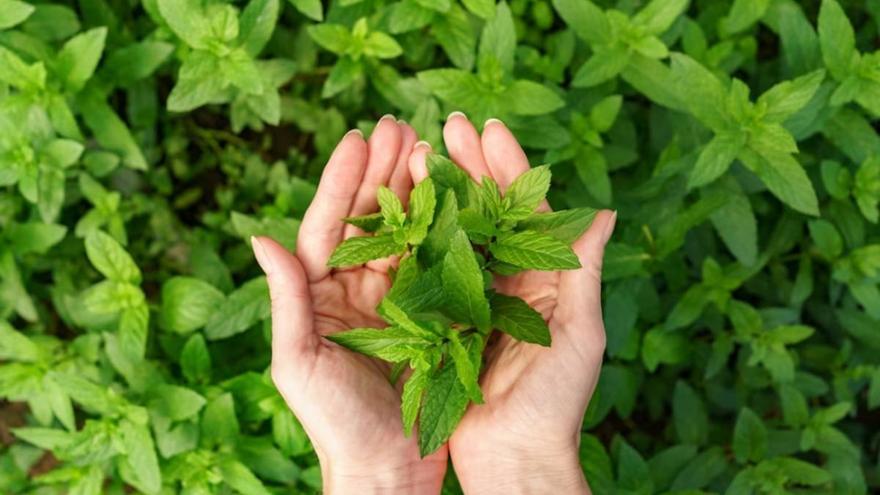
pixel 441 308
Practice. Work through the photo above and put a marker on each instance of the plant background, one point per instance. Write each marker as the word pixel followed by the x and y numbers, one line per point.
pixel 143 142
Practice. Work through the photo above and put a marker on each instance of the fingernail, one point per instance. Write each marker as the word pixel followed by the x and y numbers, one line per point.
pixel 401 122
pixel 456 114
pixel 387 116
pixel 492 121
pixel 353 131
pixel 609 228
pixel 423 144
pixel 260 254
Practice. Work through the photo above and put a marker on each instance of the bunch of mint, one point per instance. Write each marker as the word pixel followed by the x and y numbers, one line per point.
pixel 441 307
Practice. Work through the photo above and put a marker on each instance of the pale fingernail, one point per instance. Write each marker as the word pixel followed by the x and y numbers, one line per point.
pixel 387 116
pixel 609 228
pixel 456 114
pixel 261 255
pixel 423 144
pixel 492 121
pixel 353 131
pixel 401 122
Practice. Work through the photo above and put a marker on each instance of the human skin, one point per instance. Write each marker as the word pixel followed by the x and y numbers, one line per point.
pixel 524 438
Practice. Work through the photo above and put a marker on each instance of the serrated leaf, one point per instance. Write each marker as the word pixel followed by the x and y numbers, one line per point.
pixel 411 399
pixel 368 223
pixel 442 408
pixel 392 344
pixel 565 225
pixel 109 258
pixel 516 318
pixel 422 202
pixel 463 283
pixel 534 251
pixel 359 250
pixel 525 193
pixel 468 374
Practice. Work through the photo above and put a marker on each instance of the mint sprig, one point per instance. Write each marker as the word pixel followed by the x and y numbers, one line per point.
pixel 441 308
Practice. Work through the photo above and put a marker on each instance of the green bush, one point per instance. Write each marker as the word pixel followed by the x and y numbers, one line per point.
pixel 143 143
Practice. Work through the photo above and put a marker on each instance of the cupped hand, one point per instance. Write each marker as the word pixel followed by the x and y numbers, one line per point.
pixel 344 400
pixel 524 438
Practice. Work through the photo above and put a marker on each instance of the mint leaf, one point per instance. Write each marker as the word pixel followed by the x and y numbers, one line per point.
pixel 534 251
pixel 516 318
pixel 368 223
pixel 566 225
pixel 436 243
pixel 463 284
pixel 788 97
pixel 244 307
pixel 837 39
pixel 393 314
pixel 359 250
pixel 716 157
pixel 392 208
pixel 411 399
pixel 468 374
pixel 391 344
pixel 422 202
pixel 443 407
pixel 526 193
pixel 109 258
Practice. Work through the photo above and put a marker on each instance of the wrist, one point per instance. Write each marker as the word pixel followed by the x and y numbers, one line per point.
pixel 522 471
pixel 419 478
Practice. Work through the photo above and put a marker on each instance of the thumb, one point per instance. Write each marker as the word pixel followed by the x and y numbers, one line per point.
pixel 579 301
pixel 292 318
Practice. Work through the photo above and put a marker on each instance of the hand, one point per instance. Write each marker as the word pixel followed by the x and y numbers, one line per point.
pixel 524 438
pixel 344 400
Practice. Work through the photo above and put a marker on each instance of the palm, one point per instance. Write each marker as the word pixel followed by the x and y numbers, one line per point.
pixel 344 400
pixel 534 395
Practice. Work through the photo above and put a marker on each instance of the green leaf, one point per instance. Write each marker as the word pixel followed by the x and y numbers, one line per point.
pixel 359 250
pixel 525 193
pixel 715 158
pixel 658 15
pixel 785 178
pixel 344 74
pixel 515 317
pixel 586 19
pixel 243 308
pixel 187 20
pixel 702 92
pixel 14 12
pixel 603 65
pixel 498 41
pixel 827 239
pixel 368 223
pixel 442 408
pixel 395 315
pixel 257 24
pixel 392 344
pixel 111 132
pixel 176 403
pixel 837 39
pixel 195 359
pixel 566 225
pixel 468 373
pixel 137 61
pixel 333 37
pixel 381 45
pixel 531 98
pixel 411 399
pixel 34 237
pixel 141 461
pixel 422 203
pixel 188 303
pixel 689 413
pixel 311 8
pixel 79 57
pixel 109 258
pixel 534 251
pixel 241 479
pixel 219 424
pixel 392 208
pixel 749 437
pixel 786 98
pixel 481 8
pixel 464 285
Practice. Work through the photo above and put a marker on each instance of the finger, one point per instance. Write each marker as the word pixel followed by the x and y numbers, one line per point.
pixel 418 166
pixel 293 335
pixel 382 150
pixel 322 227
pixel 401 180
pixel 579 305
pixel 504 156
pixel 464 146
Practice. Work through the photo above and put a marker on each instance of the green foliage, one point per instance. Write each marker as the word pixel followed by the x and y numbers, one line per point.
pixel 143 142
pixel 433 333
